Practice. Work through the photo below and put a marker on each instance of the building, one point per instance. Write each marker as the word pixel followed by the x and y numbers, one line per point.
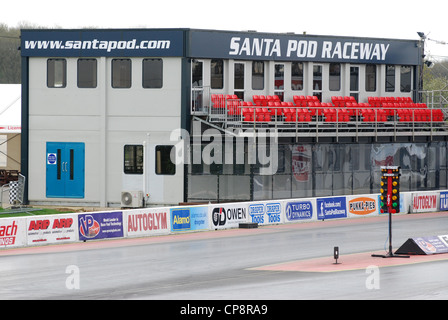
pixel 10 126
pixel 103 111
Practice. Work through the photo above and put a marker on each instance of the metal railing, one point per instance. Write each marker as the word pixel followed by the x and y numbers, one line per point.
pixel 339 121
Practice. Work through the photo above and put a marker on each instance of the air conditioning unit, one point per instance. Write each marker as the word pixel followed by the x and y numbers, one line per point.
pixel 132 199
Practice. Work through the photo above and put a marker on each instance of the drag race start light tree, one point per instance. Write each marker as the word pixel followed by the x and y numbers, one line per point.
pixel 390 189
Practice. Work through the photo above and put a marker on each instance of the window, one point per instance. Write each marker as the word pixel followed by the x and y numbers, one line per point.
pixel 354 82
pixel 257 75
pixel 56 73
pixel 238 80
pixel 390 78
pixel 121 73
pixel 87 73
pixel 335 76
pixel 354 79
pixel 317 81
pixel 217 74
pixel 405 79
pixel 370 78
pixel 279 80
pixel 3 150
pixel 133 159
pixel 163 160
pixel 152 73
pixel 297 76
pixel 196 74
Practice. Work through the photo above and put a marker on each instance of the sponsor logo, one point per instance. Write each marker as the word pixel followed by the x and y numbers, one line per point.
pixel 8 234
pixel 258 212
pixel 88 226
pixel 147 221
pixel 342 50
pixel 425 202
pixel 95 44
pixel 331 208
pixel 362 206
pixel 180 219
pixel 220 215
pixel 299 210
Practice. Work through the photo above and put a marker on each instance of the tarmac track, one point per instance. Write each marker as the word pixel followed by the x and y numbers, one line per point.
pixel 287 262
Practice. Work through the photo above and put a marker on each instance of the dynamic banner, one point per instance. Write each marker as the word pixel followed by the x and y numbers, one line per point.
pixel 443 201
pixel 100 225
pixel 300 210
pixel 52 229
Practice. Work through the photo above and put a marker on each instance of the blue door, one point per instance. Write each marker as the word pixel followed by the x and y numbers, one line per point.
pixel 65 170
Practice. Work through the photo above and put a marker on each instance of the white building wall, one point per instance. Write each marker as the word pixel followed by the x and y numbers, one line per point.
pixel 105 119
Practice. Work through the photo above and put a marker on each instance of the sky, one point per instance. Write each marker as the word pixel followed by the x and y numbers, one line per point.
pixel 394 19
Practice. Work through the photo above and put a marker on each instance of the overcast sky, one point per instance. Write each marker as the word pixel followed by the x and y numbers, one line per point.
pixel 375 18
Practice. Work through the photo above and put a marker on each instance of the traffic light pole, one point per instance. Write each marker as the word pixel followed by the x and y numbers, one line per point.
pixel 389 173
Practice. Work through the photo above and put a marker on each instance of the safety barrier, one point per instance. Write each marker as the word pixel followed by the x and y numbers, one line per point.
pixel 88 226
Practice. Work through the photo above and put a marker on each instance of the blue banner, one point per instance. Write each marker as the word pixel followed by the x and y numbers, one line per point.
pixel 302 210
pixel 265 213
pixel 331 208
pixel 297 47
pixel 103 43
pixel 189 218
pixel 100 225
pixel 444 201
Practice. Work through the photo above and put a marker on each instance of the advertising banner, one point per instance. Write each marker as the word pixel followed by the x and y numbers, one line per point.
pixel 425 245
pixel 147 222
pixel 300 210
pixel 363 205
pixel 100 225
pixel 296 47
pixel 100 43
pixel 331 208
pixel 189 218
pixel 265 213
pixel 52 229
pixel 12 232
pixel 424 201
pixel 443 201
pixel 228 215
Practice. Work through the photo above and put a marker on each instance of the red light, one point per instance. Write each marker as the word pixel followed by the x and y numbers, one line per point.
pixel 382 211
pixel 393 211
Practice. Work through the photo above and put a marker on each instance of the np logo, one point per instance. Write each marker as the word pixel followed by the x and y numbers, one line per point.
pixel 88 226
pixel 219 216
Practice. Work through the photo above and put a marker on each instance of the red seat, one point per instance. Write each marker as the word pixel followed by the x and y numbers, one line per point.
pixel 218 101
pixel 289 114
pixel 330 115
pixel 248 114
pixel 303 115
pixel 299 101
pixel 437 115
